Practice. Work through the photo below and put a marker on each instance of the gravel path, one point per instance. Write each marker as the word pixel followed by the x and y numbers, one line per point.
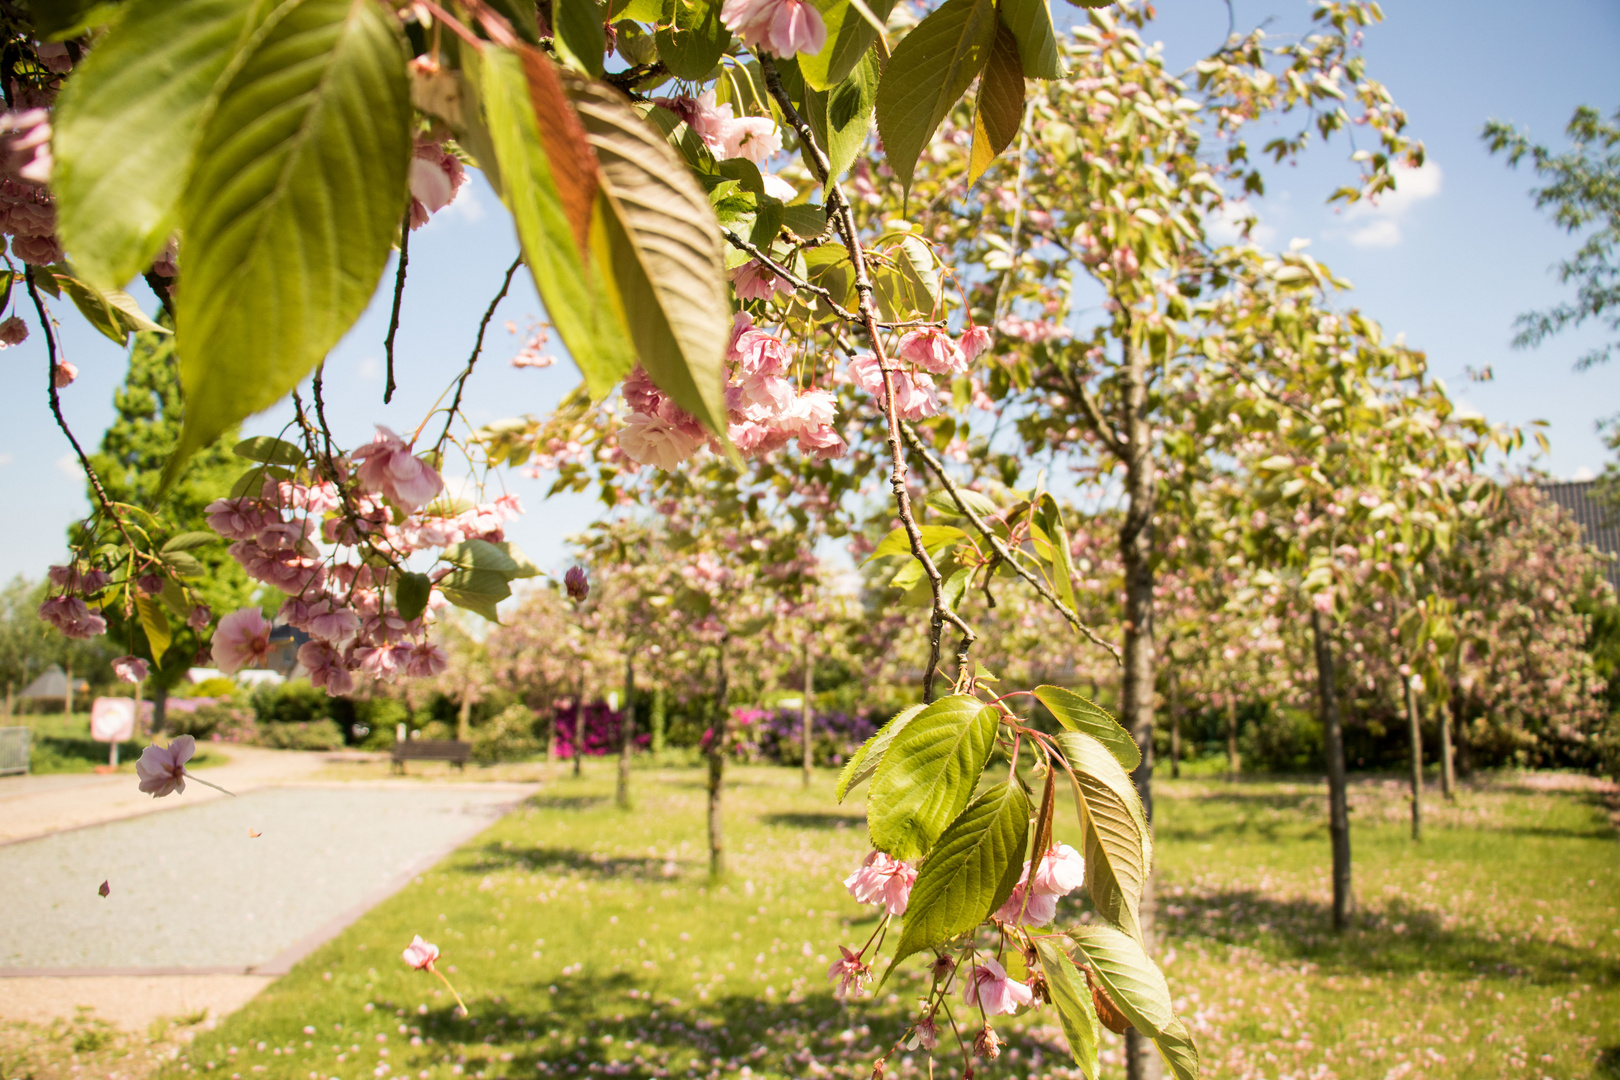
pixel 192 890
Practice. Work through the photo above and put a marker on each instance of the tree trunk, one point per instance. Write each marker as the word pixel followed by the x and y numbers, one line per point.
pixel 67 701
pixel 1448 769
pixel 627 730
pixel 160 709
pixel 1327 697
pixel 1136 693
pixel 805 717
pixel 549 730
pixel 1175 725
pixel 717 765
pixel 579 726
pixel 658 721
pixel 464 717
pixel 1234 763
pixel 1415 728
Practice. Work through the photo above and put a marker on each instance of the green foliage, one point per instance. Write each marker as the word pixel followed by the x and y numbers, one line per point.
pixel 1071 997
pixel 296 701
pixel 928 775
pixel 509 736
pixel 310 138
pixel 865 761
pixel 930 70
pixel 1133 982
pixel 1081 714
pixel 970 872
pixel 321 734
pixel 1118 842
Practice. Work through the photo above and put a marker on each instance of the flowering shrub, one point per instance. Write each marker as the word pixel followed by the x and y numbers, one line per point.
pixel 308 735
pixel 601 732
pixel 776 735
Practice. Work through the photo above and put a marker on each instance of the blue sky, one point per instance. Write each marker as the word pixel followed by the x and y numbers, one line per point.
pixel 1448 262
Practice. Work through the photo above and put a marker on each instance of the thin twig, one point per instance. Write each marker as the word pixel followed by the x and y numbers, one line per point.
pixel 56 409
pixel 937 467
pixel 478 347
pixel 840 213
pixel 399 294
pixel 787 275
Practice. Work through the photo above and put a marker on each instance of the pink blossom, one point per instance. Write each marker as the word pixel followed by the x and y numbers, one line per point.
pixel 380 662
pixel 1061 871
pixel 882 880
pixel 13 332
pixel 331 623
pixel 753 137
pixel 63 374
pixel 924 1035
pixel 778 188
pixel 426 661
pixel 914 395
pixel 72 617
pixel 754 282
pixel 162 769
pixel 823 443
pixel 241 639
pixel 421 954
pixel 387 465
pixel 849 973
pixel 1323 601
pixel 708 120
pixel 1027 909
pixel 755 351
pixel 74 579
pixel 130 669
pixel 576 583
pixel 766 397
pixel 27 142
pixel 652 440
pixel 326 667
pixel 988 987
pixel 436 176
pixel 509 507
pixel 785 27
pixel 236 519
pixel 200 617
pixel 975 342
pixel 932 350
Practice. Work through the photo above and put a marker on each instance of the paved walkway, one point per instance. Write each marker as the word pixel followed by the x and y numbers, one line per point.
pixel 201 914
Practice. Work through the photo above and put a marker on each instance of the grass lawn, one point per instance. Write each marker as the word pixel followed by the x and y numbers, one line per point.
pixel 61 743
pixel 587 941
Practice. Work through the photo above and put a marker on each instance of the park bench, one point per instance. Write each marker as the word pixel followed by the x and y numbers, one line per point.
pixel 431 750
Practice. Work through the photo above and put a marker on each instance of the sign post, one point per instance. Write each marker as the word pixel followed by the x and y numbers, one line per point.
pixel 112 720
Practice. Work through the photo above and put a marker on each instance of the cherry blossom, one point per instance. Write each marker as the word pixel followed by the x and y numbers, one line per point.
pixel 932 350
pixel 1024 908
pixel 421 954
pixel 162 769
pixel 436 178
pixel 326 667
pixel 754 282
pixel 63 374
pixel 72 617
pixel 988 987
pixel 849 973
pixel 882 880
pixel 1061 871
pixel 13 332
pixel 130 669
pixel 388 466
pixel 27 144
pixel 242 639
pixel 576 583
pixel 784 27
pixel 652 440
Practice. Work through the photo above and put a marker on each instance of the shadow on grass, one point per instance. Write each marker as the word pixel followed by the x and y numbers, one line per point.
pixel 567 802
pixel 1608 1063
pixel 813 820
pixel 1401 940
pixel 495 856
pixel 610 1025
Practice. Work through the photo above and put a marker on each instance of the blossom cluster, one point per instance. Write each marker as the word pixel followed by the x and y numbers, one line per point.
pixel 727 136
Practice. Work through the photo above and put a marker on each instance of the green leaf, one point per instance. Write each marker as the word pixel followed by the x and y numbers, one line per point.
pixel 864 762
pixel 663 244
pixel 929 774
pixel 1118 844
pixel 691 37
pixel 270 451
pixel 930 70
pixel 999 110
pixel 849 108
pixel 1031 24
pixel 1081 714
pixel 174 598
pixel 476 590
pixel 156 624
pixel 970 872
pixel 252 481
pixel 1072 997
pixel 293 209
pixel 897 543
pixel 182 563
pixel 548 180
pixel 579 39
pixel 921 273
pixel 521 15
pixel 1050 518
pixel 805 221
pixel 112 311
pixel 125 132
pixel 1176 1047
pixel 59 20
pixel 979 504
pixel 641 11
pixel 190 541
pixel 480 555
pixel 1133 982
pixel 411 595
pixel 526 567
pixel 849 42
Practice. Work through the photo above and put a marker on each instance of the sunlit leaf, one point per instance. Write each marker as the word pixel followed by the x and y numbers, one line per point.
pixel 1118 844
pixel 999 110
pixel 1031 24
pixel 1070 995
pixel 1133 982
pixel 930 70
pixel 864 762
pixel 1082 714
pixel 929 774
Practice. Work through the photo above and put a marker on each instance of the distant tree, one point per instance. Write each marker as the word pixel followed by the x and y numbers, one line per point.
pixel 1583 189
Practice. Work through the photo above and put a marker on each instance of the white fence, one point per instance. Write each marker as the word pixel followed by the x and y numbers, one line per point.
pixel 13 750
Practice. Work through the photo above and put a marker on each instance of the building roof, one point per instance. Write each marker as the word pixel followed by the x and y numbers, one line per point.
pixel 1598 518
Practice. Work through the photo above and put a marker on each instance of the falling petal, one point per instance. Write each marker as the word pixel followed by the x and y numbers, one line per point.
pixel 105 889
pixel 251 833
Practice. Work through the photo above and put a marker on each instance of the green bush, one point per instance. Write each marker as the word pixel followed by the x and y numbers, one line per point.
pixel 294 702
pixel 508 737
pixel 311 735
pixel 1282 741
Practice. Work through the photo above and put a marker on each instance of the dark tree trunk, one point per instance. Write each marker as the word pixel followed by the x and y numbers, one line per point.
pixel 1136 694
pixel 1415 729
pixel 1175 725
pixel 1448 769
pixel 627 731
pixel 1234 762
pixel 579 726
pixel 1327 697
pixel 805 718
pixel 160 709
pixel 717 765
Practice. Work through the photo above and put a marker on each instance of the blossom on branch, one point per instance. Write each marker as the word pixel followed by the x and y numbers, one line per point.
pixel 130 669
pixel 990 988
pixel 388 466
pixel 241 640
pixel 784 27
pixel 849 973
pixel 882 880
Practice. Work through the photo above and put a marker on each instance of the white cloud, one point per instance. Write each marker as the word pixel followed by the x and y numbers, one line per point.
pixel 371 369
pixel 468 205
pixel 1225 225
pixel 1583 473
pixel 69 464
pixel 5 459
pixel 1381 221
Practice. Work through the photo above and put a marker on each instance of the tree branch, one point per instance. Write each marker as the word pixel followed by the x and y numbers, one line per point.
pixel 478 347
pixel 997 545
pixel 786 275
pixel 399 294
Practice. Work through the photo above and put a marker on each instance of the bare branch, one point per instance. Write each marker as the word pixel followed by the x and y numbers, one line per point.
pixel 478 347
pixel 787 275
pixel 399 294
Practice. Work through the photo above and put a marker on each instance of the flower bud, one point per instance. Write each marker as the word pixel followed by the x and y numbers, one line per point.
pixel 576 584
pixel 986 1045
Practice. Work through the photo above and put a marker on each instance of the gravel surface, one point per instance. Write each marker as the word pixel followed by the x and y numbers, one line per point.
pixel 193 889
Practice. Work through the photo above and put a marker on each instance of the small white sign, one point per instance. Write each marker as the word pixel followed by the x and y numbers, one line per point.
pixel 112 719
